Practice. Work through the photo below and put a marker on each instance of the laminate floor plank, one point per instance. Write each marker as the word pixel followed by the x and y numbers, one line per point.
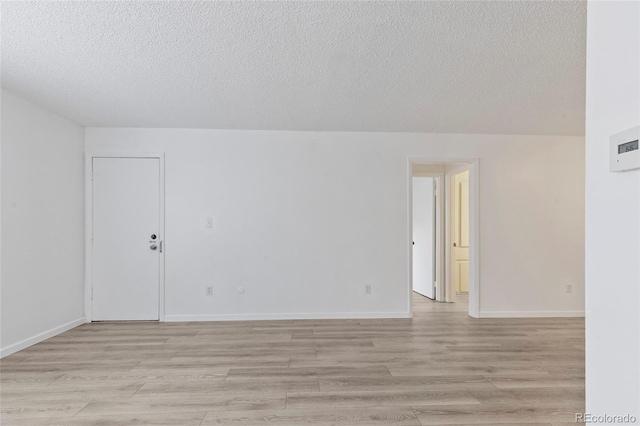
pixel 69 391
pixel 554 397
pixel 541 381
pixel 309 344
pixel 63 367
pixel 236 387
pixel 166 376
pixel 105 339
pixel 327 400
pixel 177 372
pixel 17 408
pixel 355 362
pixel 456 369
pixel 395 355
pixel 388 416
pixel 356 384
pixel 212 363
pixel 241 354
pixel 183 403
pixel 439 368
pixel 26 379
pixel 324 371
pixel 232 338
pixel 101 358
pixel 133 419
pixel 490 414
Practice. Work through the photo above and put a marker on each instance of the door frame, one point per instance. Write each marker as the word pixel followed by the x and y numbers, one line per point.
pixel 88 225
pixel 473 165
pixel 439 264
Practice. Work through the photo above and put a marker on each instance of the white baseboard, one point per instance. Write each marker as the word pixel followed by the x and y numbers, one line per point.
pixel 262 317
pixel 531 314
pixel 40 337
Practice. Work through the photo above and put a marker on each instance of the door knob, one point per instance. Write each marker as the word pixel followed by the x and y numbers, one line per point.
pixel 153 247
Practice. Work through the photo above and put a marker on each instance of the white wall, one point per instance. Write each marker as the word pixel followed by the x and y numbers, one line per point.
pixel 612 212
pixel 42 224
pixel 304 220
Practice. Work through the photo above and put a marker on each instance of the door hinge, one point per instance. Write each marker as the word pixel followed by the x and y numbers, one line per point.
pixel 91 293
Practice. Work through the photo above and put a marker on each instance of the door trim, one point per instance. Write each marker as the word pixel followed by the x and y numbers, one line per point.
pixel 88 225
pixel 473 165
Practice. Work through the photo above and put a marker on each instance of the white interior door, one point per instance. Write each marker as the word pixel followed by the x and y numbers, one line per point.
pixel 126 239
pixel 424 236
pixel 461 233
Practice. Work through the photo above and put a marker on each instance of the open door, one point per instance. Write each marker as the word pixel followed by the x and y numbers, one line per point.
pixel 424 236
pixel 461 233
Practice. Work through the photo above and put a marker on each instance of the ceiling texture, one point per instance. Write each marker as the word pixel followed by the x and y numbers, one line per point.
pixel 505 67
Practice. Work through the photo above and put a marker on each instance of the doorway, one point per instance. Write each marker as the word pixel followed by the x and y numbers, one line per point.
pixel 125 254
pixel 444 252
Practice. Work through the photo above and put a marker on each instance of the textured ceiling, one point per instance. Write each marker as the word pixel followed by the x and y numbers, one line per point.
pixel 513 67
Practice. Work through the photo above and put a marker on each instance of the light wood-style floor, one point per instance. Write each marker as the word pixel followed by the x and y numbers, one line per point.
pixel 439 368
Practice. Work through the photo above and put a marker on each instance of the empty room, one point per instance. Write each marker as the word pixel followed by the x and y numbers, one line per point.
pixel 320 212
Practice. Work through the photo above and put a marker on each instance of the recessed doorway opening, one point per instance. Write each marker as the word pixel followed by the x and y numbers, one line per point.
pixel 443 231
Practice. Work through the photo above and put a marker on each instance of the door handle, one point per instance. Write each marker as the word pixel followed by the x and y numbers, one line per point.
pixel 161 244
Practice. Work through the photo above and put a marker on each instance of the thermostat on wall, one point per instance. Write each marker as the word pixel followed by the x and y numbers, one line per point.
pixel 623 150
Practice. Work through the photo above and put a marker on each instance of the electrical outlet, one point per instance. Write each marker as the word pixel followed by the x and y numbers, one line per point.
pixel 367 289
pixel 569 288
pixel 210 291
